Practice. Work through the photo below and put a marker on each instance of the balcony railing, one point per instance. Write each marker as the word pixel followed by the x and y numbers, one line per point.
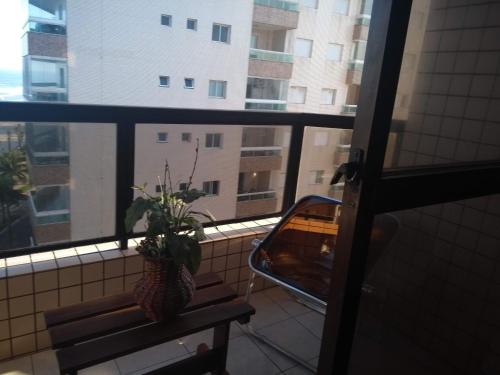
pixel 363 19
pixel 291 6
pixel 260 54
pixel 124 120
pixel 264 104
pixel 260 151
pixel 356 65
pixel 48 217
pixel 349 108
pixel 255 196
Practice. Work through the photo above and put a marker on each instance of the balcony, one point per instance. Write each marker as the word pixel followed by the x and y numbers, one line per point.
pixel 354 73
pixel 44 44
pixel 281 14
pixel 265 105
pixel 256 203
pixel 349 109
pixel 260 159
pixel 266 94
pixel 270 64
pixel 361 30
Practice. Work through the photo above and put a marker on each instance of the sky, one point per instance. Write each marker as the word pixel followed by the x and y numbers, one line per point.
pixel 11 23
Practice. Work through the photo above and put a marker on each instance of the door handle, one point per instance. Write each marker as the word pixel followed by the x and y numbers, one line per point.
pixel 350 170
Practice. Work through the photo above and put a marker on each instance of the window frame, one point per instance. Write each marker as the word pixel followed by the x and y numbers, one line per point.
pixel 341 54
pixel 213 136
pixel 216 83
pixel 189 137
pixel 221 25
pixel 334 96
pixel 189 87
pixel 164 77
pixel 166 16
pixel 158 137
pixel 210 191
pixel 310 49
pixel 195 23
pixel 290 95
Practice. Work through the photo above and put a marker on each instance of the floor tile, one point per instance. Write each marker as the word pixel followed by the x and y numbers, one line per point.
pixel 106 368
pixel 159 365
pixel 191 342
pixel 313 321
pixel 149 357
pixel 291 335
pixel 244 357
pixel 267 311
pixel 286 301
pixel 45 363
pixel 19 366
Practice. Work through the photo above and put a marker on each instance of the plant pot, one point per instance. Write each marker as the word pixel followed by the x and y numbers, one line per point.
pixel 164 290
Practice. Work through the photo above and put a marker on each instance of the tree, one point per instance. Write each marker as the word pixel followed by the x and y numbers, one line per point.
pixel 13 184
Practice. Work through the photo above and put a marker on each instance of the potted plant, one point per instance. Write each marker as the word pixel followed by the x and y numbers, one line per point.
pixel 171 246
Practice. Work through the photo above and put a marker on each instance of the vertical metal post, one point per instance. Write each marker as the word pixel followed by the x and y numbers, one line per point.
pixel 125 161
pixel 293 165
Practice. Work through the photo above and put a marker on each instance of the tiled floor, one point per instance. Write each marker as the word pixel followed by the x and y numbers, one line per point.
pixel 377 349
pixel 278 317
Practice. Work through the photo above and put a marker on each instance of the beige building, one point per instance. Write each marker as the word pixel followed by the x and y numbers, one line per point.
pixel 267 55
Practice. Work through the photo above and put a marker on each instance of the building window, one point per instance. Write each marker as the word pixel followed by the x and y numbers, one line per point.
pixel 211 187
pixel 297 94
pixel 366 7
pixel 341 6
pixel 162 137
pixel 217 89
pixel 183 186
pixel 164 81
pixel 328 96
pixel 186 137
pixel 160 187
pixel 221 33
pixel 359 50
pixel 316 177
pixel 213 140
pixel 303 47
pixel 192 24
pixel 166 20
pixel 334 52
pixel 310 3
pixel 189 83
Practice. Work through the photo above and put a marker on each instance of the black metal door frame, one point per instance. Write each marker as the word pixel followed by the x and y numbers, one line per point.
pixel 380 191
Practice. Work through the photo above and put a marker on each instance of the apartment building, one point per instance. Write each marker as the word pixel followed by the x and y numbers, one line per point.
pixel 264 55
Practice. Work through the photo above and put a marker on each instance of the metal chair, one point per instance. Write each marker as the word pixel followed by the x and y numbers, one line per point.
pixel 299 252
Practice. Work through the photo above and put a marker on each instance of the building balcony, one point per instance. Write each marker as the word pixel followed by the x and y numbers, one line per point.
pixel 50 223
pixel 349 109
pixel 44 44
pixel 270 64
pixel 281 14
pixel 260 159
pixel 360 32
pixel 354 72
pixel 257 203
pixel 265 104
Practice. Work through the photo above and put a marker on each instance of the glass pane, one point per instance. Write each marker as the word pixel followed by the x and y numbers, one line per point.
pixel 248 163
pixel 430 299
pixel 58 182
pixel 323 150
pixel 82 63
pixel 448 96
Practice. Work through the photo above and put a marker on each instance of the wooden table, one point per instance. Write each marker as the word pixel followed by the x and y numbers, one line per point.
pixel 96 331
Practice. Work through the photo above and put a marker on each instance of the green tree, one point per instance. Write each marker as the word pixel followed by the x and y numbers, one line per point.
pixel 13 184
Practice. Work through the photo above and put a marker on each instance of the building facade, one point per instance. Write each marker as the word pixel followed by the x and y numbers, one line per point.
pixel 260 55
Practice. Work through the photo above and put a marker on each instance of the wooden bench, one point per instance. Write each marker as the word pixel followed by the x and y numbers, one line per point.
pixel 96 331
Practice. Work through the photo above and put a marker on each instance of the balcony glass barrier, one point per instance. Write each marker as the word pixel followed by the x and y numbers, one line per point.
pixel 256 196
pixel 259 54
pixel 326 150
pixel 356 65
pixel 266 89
pixel 292 6
pixel 59 180
pixel 50 10
pixel 47 28
pixel 349 109
pixel 260 151
pixel 266 105
pixel 221 170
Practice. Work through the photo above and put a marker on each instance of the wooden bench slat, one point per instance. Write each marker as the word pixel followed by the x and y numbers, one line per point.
pixel 104 305
pixel 92 327
pixel 100 350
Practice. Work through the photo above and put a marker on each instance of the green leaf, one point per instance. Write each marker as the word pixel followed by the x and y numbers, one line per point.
pixel 194 256
pixel 136 211
pixel 190 195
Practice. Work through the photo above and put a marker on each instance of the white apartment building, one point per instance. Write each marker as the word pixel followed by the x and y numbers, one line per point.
pixel 218 54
